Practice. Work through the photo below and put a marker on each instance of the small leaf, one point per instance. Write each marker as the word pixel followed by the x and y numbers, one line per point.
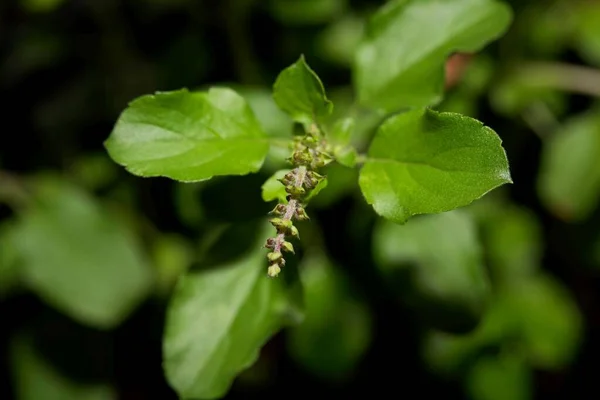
pixel 78 257
pixel 217 321
pixel 35 379
pixel 188 136
pixel 427 162
pixel 436 262
pixel 502 377
pixel 299 92
pixel 337 329
pixel 272 189
pixel 569 177
pixel 400 62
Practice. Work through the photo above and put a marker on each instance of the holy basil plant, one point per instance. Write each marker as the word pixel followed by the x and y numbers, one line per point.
pixel 419 161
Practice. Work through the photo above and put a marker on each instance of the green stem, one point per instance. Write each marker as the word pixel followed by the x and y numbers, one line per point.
pixel 562 76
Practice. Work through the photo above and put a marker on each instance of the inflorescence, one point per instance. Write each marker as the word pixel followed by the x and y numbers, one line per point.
pixel 310 153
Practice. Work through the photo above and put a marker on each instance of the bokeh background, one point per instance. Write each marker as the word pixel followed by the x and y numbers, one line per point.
pixel 74 225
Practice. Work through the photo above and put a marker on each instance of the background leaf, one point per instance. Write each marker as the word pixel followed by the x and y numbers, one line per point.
pixel 188 136
pixel 500 378
pixel 272 189
pixel 427 162
pixel 217 321
pixel 548 319
pixel 415 37
pixel 337 329
pixel 78 257
pixel 35 379
pixel 569 177
pixel 299 92
pixel 436 263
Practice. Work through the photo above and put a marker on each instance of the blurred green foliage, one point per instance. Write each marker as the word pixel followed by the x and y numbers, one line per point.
pixel 85 247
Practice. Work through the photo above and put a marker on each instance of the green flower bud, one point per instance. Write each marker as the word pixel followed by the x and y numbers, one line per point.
pixel 273 270
pixel 322 161
pixel 295 190
pixel 274 256
pixel 293 231
pixel 301 214
pixel 302 158
pixel 287 246
pixel 278 210
pixel 280 223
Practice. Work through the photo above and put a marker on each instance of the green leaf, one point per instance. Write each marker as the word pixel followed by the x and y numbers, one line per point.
pixel 172 255
pixel 427 162
pixel 188 136
pixel 272 189
pixel 78 257
pixel 436 262
pixel 569 177
pixel 400 62
pixel 513 241
pixel 587 31
pixel 549 323
pixel 299 92
pixel 337 329
pixel 502 377
pixel 339 138
pixel 217 321
pixel 448 354
pixel 341 182
pixel 35 379
pixel 275 122
pixel 338 42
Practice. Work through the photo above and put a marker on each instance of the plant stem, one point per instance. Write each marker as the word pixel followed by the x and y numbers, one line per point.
pixel 573 78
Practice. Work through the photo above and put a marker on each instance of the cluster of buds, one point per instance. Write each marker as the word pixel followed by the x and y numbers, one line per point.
pixel 310 153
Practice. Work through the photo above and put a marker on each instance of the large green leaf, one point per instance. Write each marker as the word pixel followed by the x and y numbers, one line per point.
pixel 427 162
pixel 569 177
pixel 299 92
pixel 436 263
pixel 78 257
pixel 337 329
pixel 400 61
pixel 35 379
pixel 217 321
pixel 188 136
